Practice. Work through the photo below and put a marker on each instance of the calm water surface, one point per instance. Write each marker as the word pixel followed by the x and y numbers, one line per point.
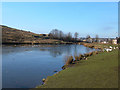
pixel 26 66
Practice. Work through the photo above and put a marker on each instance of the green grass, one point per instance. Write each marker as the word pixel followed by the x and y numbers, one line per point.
pixel 99 71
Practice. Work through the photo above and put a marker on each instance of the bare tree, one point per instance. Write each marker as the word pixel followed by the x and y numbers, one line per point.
pixel 97 38
pixel 69 36
pixel 61 34
pixel 57 34
pixel 76 36
pixel 54 34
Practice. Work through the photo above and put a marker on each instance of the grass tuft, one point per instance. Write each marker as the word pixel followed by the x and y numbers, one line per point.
pixel 69 60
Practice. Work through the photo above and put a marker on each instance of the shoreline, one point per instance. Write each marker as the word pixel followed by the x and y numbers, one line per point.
pixel 35 43
pixel 68 66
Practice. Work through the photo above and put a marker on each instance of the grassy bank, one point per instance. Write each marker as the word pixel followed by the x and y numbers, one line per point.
pixel 98 45
pixel 98 71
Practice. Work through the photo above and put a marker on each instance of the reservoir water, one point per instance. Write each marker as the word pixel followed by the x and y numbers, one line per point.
pixel 26 66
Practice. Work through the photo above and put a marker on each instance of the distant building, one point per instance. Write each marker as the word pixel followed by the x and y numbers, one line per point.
pixel 84 40
pixel 89 40
pixel 104 42
pixel 114 41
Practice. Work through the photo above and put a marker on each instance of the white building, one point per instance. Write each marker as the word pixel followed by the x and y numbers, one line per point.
pixel 114 41
pixel 104 42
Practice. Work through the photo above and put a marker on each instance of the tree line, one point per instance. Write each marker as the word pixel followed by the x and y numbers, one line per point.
pixel 60 35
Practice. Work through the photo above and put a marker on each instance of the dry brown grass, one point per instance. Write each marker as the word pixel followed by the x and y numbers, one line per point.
pixel 69 60
pixel 76 58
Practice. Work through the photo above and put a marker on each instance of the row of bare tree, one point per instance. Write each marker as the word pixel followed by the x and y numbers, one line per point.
pixel 58 34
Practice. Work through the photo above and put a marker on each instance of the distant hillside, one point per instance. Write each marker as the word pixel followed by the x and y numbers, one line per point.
pixel 12 35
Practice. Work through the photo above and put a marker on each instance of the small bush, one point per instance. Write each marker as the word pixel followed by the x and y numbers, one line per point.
pixel 96 52
pixel 76 58
pixel 86 55
pixel 80 57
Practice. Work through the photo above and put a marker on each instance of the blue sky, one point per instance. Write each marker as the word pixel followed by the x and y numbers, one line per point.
pixel 86 18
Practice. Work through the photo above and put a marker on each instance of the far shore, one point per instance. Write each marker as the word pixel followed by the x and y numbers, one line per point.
pixel 90 45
